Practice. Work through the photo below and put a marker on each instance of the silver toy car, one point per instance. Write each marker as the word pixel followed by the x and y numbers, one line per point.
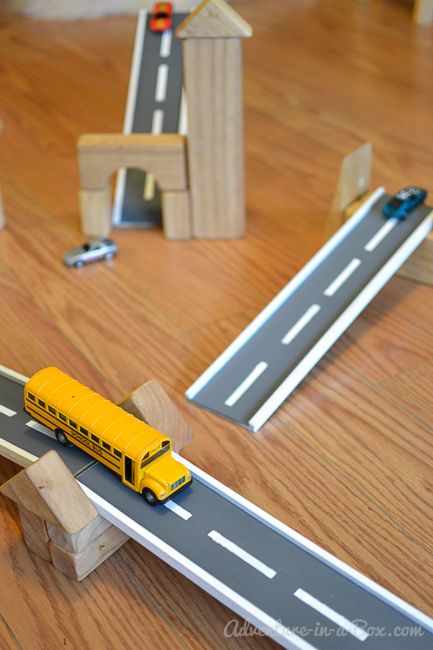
pixel 91 251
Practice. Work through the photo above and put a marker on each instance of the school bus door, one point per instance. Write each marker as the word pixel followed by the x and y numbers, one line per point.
pixel 128 474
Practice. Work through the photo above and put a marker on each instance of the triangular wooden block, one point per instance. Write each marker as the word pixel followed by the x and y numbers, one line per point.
pixel 151 403
pixel 214 19
pixel 48 489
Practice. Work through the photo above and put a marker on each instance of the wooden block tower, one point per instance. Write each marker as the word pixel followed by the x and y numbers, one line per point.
pixel 212 54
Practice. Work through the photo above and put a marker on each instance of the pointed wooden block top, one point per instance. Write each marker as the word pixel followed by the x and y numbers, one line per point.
pixel 151 403
pixel 48 490
pixel 214 19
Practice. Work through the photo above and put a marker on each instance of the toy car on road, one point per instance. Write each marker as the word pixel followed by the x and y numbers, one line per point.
pixel 161 19
pixel 91 251
pixel 404 202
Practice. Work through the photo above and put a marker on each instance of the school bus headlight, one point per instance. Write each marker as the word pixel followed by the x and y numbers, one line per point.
pixel 163 493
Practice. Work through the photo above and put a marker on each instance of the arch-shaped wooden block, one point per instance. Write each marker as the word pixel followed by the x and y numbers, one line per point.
pixel 164 156
pixel 99 155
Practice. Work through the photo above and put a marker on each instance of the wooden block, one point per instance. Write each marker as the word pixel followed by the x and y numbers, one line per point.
pixel 48 489
pixel 353 207
pixel 419 266
pixel 423 12
pixel 353 183
pixel 214 19
pixel 79 565
pixel 151 403
pixel 213 81
pixel 77 542
pixel 95 212
pixel 35 533
pixel 100 155
pixel 176 215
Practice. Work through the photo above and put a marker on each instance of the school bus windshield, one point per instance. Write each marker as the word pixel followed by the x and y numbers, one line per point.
pixel 151 457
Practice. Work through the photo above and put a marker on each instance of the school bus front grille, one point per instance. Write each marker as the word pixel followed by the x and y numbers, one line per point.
pixel 179 482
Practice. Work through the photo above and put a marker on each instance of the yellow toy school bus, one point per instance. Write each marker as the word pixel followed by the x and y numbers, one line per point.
pixel 140 454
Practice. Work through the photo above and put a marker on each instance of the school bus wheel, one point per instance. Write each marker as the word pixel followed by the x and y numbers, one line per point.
pixel 150 497
pixel 61 437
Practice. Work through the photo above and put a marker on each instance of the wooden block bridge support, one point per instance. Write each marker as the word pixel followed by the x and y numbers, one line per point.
pixel 58 520
pixel 350 194
pixel 99 155
pixel 212 56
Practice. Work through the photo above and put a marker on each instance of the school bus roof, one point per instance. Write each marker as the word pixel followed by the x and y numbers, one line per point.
pixel 93 412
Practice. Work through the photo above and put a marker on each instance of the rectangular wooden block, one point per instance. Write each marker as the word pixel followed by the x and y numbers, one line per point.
pixel 95 209
pixel 77 542
pixel 213 79
pixel 176 215
pixel 79 565
pixel 35 533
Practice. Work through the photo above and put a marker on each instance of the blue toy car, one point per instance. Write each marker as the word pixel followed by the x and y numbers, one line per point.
pixel 404 202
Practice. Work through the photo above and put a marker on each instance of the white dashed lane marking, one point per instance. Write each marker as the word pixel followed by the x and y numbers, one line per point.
pixel 342 277
pixel 331 614
pixel 246 384
pixel 178 510
pixel 6 411
pixel 300 324
pixel 242 554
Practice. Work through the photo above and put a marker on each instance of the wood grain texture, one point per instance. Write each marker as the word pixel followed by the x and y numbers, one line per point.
pixel 47 489
pixel 2 213
pixel 95 212
pixel 213 84
pixel 78 565
pixel 176 215
pixel 99 155
pixel 353 182
pixel 151 403
pixel 76 542
pixel 347 461
pixel 35 533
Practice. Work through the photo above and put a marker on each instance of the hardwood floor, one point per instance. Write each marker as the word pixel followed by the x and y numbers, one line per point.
pixel 348 460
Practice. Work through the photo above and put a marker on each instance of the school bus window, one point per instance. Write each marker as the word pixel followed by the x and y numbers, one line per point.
pixel 83 430
pixel 41 403
pixel 159 453
pixel 106 446
pixel 95 438
pixel 117 453
pixel 73 424
pixel 62 417
pixel 165 443
pixel 32 397
pixel 51 410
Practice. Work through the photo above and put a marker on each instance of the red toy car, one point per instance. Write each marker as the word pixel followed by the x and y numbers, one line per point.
pixel 162 17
